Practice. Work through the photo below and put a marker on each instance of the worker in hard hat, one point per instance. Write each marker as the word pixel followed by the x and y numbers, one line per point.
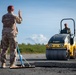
pixel 9 33
pixel 67 29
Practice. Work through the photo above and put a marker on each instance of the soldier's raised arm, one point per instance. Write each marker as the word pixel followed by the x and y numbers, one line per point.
pixel 19 18
pixel 20 14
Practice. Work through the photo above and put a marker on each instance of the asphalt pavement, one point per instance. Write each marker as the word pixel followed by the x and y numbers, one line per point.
pixel 42 66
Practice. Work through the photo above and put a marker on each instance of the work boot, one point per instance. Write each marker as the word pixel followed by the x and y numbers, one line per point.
pixel 3 65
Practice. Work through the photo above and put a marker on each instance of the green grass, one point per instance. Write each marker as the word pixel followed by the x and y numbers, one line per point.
pixel 37 48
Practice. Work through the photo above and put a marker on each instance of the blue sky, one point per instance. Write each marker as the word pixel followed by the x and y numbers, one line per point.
pixel 41 18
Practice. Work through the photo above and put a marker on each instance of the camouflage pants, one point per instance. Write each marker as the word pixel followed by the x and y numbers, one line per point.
pixel 8 41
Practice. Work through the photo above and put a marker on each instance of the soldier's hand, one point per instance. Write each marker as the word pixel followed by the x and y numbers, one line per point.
pixel 19 13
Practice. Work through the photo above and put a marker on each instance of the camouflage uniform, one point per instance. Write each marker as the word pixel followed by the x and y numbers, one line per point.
pixel 67 30
pixel 9 33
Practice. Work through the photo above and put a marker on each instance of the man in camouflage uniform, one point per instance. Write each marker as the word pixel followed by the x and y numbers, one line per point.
pixel 9 34
pixel 67 29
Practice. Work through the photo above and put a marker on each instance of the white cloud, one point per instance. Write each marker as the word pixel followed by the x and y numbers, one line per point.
pixel 37 39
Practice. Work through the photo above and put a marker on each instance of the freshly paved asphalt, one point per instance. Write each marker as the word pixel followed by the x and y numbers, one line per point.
pixel 42 66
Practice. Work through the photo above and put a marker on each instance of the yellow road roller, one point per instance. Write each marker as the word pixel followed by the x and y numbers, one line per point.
pixel 62 46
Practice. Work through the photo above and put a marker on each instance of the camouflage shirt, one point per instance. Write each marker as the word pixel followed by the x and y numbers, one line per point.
pixel 9 21
pixel 67 30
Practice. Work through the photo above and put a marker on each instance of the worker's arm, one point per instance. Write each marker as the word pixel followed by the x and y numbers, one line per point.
pixel 69 31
